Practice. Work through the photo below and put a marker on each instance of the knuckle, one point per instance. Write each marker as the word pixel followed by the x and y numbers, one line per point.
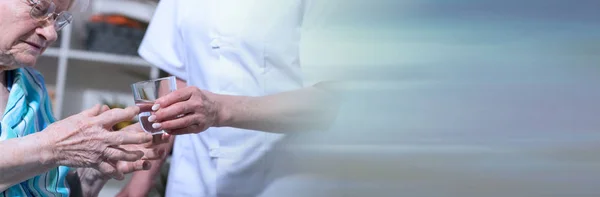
pixel 111 171
pixel 143 138
pixel 80 123
pixel 119 139
pixel 177 94
pixel 129 167
pixel 198 104
pixel 179 109
pixel 151 154
pixel 191 107
pixel 189 121
pixel 104 153
pixel 108 170
pixel 195 90
pixel 124 167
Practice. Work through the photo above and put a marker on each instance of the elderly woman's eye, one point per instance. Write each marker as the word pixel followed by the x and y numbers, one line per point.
pixel 41 9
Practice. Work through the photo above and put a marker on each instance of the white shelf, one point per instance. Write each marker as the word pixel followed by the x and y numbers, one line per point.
pixel 65 55
pixel 99 57
pixel 140 10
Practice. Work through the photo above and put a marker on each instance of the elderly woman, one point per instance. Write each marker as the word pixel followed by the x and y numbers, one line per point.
pixel 37 152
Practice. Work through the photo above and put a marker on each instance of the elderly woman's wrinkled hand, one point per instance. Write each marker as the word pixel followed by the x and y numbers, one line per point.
pixel 86 140
pixel 152 150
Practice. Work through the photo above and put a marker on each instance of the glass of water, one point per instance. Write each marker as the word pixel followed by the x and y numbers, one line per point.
pixel 145 93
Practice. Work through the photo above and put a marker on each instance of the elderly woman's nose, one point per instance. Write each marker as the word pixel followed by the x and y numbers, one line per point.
pixel 48 32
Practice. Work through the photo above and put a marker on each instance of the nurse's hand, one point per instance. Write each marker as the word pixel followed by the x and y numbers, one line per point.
pixel 184 111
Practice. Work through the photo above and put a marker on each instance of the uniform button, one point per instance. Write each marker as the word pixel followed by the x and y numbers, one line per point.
pixel 215 43
pixel 214 152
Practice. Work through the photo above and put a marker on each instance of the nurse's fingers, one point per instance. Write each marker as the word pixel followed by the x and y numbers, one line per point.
pixel 174 97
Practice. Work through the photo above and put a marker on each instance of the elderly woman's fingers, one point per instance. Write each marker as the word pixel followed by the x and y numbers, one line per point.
pixel 119 154
pixel 128 167
pixel 133 128
pixel 165 138
pixel 93 111
pixel 114 116
pixel 153 153
pixel 110 170
pixel 159 139
pixel 123 138
pixel 104 108
pixel 147 153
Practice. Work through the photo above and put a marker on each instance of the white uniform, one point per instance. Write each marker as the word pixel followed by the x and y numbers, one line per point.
pixel 234 47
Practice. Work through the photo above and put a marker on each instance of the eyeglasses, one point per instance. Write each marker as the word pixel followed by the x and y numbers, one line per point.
pixel 45 10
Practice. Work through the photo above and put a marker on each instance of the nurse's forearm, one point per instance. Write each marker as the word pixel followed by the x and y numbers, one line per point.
pixel 24 158
pixel 311 108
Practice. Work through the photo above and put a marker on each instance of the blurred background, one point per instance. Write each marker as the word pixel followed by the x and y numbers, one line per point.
pixel 458 98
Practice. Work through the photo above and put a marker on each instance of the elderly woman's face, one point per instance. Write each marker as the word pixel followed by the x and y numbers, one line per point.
pixel 22 38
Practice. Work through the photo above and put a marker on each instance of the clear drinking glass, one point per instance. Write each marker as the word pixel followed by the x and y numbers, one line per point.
pixel 145 93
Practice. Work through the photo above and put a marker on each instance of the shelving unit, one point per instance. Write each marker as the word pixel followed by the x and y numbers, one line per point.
pixel 65 56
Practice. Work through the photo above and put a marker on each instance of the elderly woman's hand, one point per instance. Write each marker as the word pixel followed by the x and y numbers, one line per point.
pixel 93 180
pixel 152 150
pixel 86 140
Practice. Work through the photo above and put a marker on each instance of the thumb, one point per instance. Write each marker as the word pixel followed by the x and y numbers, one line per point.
pixel 129 167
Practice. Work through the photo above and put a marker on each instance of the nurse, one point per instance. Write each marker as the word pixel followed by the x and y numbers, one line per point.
pixel 240 90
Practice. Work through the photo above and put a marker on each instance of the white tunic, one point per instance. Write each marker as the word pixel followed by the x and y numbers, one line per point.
pixel 234 47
